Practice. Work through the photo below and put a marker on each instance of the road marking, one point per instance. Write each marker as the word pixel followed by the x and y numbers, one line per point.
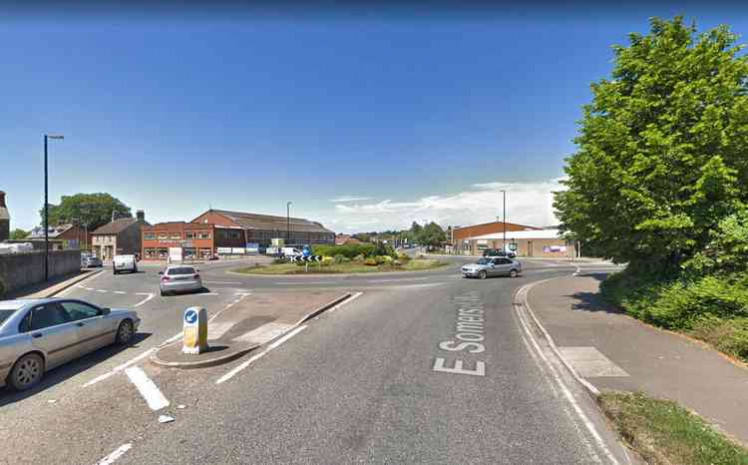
pixel 120 292
pixel 469 328
pixel 272 346
pixel 119 452
pixel 147 388
pixel 205 293
pixel 264 333
pixel 222 282
pixel 101 290
pixel 216 330
pixel 350 299
pixel 522 295
pixel 72 288
pixel 305 282
pixel 149 294
pixel 590 362
pixel 396 280
pixel 119 368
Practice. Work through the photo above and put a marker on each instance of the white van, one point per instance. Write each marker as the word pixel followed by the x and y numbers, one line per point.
pixel 125 263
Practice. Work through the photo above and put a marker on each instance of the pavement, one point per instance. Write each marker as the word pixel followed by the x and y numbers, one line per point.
pixel 612 351
pixel 380 377
pixel 54 286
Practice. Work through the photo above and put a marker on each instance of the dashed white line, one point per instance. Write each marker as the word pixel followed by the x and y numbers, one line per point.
pixel 272 346
pixel 119 452
pixel 101 290
pixel 149 297
pixel 305 282
pixel 205 293
pixel 147 388
pixel 120 292
pixel 222 282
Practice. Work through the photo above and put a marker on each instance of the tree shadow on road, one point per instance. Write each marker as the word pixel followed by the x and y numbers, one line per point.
pixel 592 301
pixel 70 369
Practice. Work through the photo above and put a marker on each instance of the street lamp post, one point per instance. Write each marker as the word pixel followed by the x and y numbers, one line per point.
pixel 46 206
pixel 504 221
pixel 288 222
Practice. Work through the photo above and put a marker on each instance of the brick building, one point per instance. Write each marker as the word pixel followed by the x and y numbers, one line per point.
pixel 66 237
pixel 121 236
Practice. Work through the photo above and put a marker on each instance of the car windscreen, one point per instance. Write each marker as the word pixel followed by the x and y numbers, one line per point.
pixel 181 270
pixel 5 314
pixel 484 261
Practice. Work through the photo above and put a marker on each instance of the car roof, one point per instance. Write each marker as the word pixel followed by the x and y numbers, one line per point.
pixel 20 303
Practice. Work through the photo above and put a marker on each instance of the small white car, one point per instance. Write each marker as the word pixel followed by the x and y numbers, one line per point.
pixel 125 263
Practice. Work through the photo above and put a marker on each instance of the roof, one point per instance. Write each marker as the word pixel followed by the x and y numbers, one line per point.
pixel 270 222
pixel 54 231
pixel 497 222
pixel 116 226
pixel 535 234
pixel 342 239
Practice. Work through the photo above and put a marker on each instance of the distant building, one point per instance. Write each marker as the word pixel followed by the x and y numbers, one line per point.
pixel 119 237
pixel 526 241
pixel 226 232
pixel 61 237
pixel 343 239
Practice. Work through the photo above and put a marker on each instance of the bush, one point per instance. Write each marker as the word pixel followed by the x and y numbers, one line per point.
pixel 381 259
pixel 278 261
pixel 338 259
pixel 403 257
pixel 346 250
pixel 359 258
pixel 371 262
pixel 327 261
pixel 397 263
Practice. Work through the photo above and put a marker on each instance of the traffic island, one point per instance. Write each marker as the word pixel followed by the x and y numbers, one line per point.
pixel 249 323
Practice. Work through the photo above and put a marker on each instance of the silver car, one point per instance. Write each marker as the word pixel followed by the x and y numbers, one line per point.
pixel 38 335
pixel 91 261
pixel 492 266
pixel 180 278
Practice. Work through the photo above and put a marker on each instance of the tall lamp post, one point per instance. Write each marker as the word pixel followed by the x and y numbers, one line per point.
pixel 46 205
pixel 504 221
pixel 288 222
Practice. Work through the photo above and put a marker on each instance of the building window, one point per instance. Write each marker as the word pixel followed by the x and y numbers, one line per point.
pixel 149 236
pixel 163 253
pixel 176 236
pixel 190 235
pixel 163 236
pixel 235 235
pixel 204 235
pixel 150 253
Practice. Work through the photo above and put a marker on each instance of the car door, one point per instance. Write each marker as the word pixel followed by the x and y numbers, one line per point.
pixel 94 329
pixel 494 267
pixel 53 333
pixel 503 266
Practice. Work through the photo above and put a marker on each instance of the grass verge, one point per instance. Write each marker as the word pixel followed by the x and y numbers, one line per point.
pixel 351 267
pixel 664 433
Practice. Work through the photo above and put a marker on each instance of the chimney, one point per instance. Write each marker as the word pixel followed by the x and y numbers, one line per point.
pixel 140 215
pixel 4 219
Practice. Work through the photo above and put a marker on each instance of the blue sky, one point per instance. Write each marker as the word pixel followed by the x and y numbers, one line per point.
pixel 398 117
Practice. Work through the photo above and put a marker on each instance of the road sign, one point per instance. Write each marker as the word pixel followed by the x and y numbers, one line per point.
pixel 195 330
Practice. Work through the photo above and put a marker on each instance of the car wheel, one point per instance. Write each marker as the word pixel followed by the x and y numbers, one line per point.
pixel 27 372
pixel 482 274
pixel 513 274
pixel 125 332
pixel 163 293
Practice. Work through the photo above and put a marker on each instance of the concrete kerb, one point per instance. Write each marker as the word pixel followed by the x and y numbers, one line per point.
pixel 521 296
pixel 62 286
pixel 244 350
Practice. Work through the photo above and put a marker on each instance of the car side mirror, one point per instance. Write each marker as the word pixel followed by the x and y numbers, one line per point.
pixel 106 311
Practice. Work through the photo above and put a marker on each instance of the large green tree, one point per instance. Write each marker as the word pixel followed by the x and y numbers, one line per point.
pixel 18 234
pixel 432 234
pixel 92 210
pixel 663 147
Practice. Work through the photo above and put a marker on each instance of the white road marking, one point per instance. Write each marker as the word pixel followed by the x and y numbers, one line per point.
pixel 172 339
pixel 149 294
pixel 272 346
pixel 305 282
pixel 350 299
pixel 205 293
pixel 147 388
pixel 119 368
pixel 590 362
pixel 396 280
pixel 120 292
pixel 119 452
pixel 222 282
pixel 101 290
pixel 264 333
pixel 522 295
pixel 72 288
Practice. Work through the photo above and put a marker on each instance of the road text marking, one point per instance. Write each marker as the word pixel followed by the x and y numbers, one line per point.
pixel 470 328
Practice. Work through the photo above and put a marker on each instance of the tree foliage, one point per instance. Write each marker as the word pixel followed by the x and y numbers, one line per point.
pixel 661 157
pixel 92 210
pixel 18 234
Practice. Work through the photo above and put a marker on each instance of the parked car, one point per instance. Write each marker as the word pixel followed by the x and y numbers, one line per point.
pixel 498 253
pixel 38 335
pixel 124 263
pixel 180 278
pixel 91 261
pixel 492 266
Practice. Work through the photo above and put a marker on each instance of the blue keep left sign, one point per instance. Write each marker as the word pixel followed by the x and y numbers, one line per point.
pixel 190 316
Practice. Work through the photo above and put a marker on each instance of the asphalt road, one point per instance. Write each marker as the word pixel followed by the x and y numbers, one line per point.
pixel 377 380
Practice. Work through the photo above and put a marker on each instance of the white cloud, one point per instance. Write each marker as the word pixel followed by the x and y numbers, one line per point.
pixel 527 203
pixel 348 198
